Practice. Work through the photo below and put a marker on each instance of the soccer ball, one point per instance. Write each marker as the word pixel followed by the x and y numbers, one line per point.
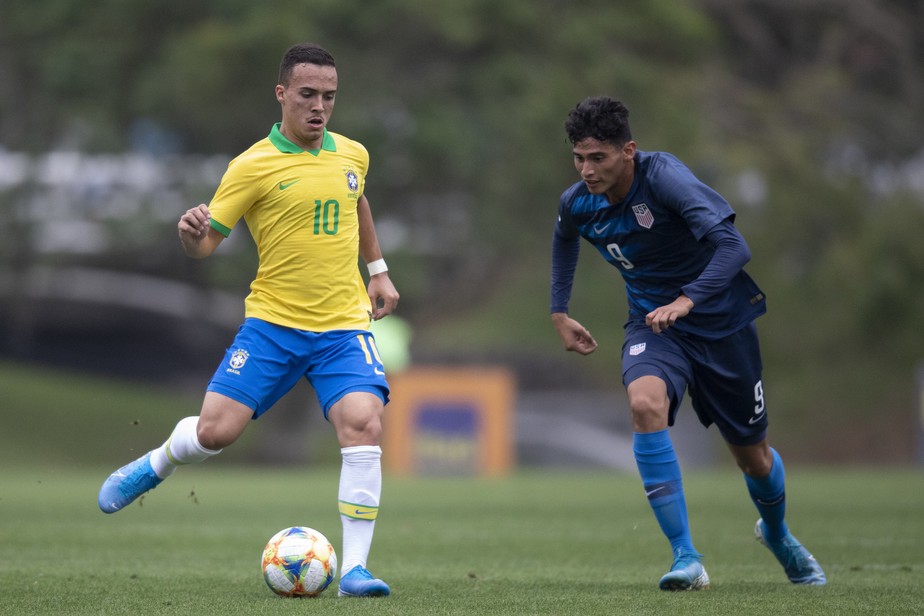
pixel 299 562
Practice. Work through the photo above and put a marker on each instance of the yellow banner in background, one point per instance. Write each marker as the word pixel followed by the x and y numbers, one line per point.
pixel 450 421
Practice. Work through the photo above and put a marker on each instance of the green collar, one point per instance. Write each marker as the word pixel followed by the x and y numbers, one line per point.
pixel 285 146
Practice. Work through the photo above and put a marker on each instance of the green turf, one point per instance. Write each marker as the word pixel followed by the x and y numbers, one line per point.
pixel 534 543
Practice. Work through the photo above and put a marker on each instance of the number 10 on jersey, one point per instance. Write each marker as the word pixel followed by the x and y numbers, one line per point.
pixel 326 216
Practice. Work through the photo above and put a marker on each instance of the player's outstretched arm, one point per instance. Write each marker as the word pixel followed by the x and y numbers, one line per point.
pixel 573 335
pixel 198 238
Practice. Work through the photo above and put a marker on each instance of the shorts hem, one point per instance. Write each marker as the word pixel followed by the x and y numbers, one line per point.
pixel 378 390
pixel 237 395
pixel 746 441
pixel 639 370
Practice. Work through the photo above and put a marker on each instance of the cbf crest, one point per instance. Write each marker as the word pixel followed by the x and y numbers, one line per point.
pixel 237 361
pixel 352 180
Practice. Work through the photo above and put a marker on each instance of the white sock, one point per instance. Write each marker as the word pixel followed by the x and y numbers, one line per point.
pixel 360 491
pixel 182 447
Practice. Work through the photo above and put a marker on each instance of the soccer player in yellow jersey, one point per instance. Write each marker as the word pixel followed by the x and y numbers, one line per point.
pixel 300 192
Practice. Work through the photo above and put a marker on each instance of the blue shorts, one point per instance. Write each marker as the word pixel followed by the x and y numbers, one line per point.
pixel 265 361
pixel 724 376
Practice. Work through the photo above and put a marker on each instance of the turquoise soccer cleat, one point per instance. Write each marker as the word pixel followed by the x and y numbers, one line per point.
pixel 687 573
pixel 128 483
pixel 358 582
pixel 800 566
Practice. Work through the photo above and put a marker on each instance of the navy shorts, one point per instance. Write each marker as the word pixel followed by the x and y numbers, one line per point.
pixel 265 361
pixel 723 376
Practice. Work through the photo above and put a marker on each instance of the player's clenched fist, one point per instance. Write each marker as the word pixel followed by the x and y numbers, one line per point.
pixel 194 233
pixel 194 223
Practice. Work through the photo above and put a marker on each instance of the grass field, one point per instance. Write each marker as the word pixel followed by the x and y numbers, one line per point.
pixel 533 543
pixel 538 542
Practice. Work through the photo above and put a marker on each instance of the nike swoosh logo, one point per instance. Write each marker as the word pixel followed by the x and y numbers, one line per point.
pixel 601 230
pixel 359 512
pixel 379 372
pixel 650 492
pixel 284 185
pixel 755 419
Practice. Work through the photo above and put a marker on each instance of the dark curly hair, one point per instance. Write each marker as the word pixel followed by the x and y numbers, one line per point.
pixel 601 118
pixel 303 53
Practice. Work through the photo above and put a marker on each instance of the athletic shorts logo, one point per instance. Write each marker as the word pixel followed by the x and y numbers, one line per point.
pixel 643 215
pixel 352 180
pixel 637 349
pixel 237 361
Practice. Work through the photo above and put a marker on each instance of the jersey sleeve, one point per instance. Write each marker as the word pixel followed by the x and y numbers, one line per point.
pixel 700 206
pixel 364 155
pixel 236 193
pixel 731 254
pixel 566 246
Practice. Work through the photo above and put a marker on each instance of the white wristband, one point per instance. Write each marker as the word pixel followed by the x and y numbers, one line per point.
pixel 377 267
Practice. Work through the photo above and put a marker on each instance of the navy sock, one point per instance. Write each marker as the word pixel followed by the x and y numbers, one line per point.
pixel 769 496
pixel 660 471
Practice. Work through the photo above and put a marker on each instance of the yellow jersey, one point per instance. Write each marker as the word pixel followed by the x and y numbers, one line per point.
pixel 301 209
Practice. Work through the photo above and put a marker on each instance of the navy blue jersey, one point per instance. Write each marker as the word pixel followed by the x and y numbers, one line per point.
pixel 655 238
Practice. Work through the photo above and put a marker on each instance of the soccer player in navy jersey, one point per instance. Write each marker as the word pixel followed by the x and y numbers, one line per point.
pixel 690 326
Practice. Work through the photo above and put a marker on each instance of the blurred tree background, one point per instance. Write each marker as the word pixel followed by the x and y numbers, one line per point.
pixel 117 115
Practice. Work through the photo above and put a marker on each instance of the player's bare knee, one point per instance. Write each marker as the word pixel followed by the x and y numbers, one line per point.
pixel 754 461
pixel 648 413
pixel 757 471
pixel 357 418
pixel 207 438
pixel 361 429
pixel 214 435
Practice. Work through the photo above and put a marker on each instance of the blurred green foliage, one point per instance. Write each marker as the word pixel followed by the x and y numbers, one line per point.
pixel 806 116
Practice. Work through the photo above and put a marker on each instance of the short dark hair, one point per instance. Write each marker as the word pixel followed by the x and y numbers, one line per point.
pixel 600 117
pixel 303 53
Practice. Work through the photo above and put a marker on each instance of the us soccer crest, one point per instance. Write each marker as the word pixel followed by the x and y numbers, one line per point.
pixel 643 215
pixel 352 180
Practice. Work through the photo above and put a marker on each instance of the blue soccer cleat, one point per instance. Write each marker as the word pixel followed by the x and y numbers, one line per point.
pixel 687 573
pixel 360 583
pixel 128 483
pixel 800 566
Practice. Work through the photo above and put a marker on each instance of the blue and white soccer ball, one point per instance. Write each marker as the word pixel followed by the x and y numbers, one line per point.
pixel 299 562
